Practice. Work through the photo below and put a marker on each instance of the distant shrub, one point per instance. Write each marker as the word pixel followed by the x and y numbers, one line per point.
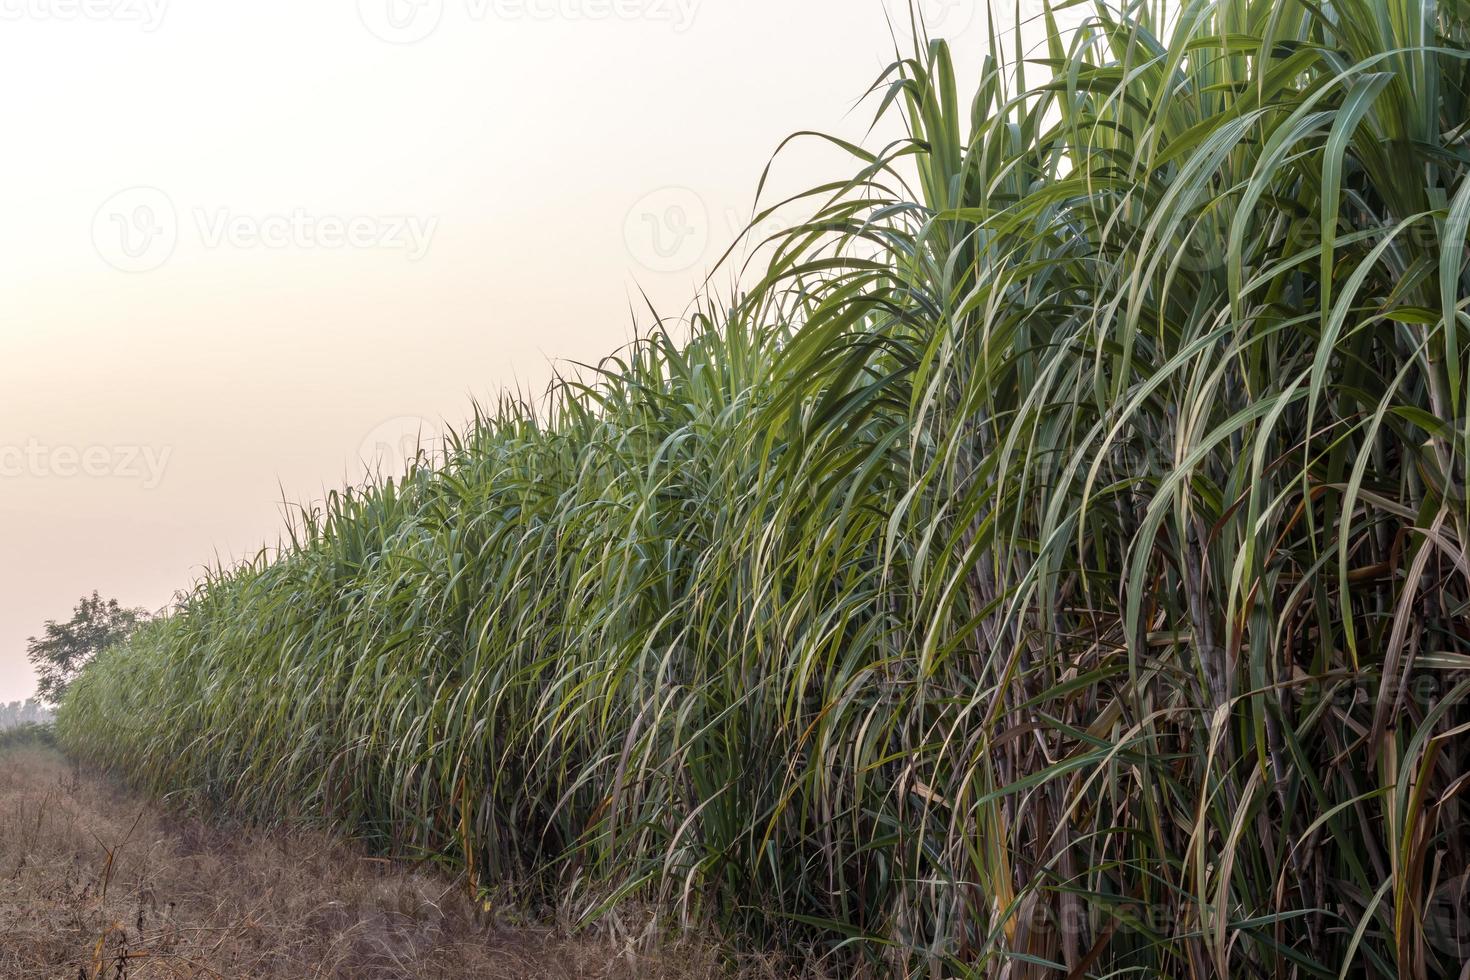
pixel 28 736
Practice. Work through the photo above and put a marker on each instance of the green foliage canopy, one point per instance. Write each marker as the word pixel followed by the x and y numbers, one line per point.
pixel 63 649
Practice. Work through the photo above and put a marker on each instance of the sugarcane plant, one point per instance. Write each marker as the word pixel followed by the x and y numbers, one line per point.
pixel 1053 565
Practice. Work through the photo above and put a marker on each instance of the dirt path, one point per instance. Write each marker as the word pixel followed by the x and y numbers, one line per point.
pixel 95 883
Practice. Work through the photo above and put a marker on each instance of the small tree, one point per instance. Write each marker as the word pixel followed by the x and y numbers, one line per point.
pixel 65 648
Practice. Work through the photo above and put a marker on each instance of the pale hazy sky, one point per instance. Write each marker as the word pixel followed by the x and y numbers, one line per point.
pixel 244 244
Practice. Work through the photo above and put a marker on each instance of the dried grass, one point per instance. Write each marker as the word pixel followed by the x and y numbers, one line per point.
pixel 97 883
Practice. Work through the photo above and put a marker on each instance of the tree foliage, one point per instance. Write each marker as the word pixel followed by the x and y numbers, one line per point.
pixel 63 649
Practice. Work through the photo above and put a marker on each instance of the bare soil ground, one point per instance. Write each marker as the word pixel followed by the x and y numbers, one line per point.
pixel 95 883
